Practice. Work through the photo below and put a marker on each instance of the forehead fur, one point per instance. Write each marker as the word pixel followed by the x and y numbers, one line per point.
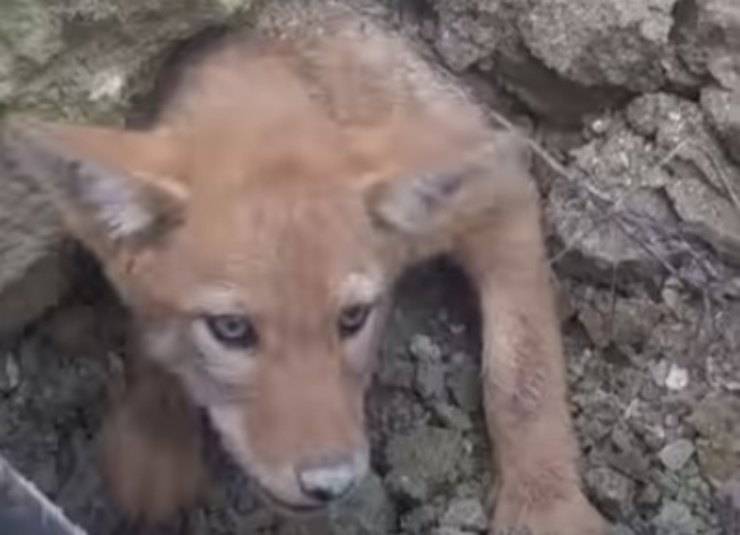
pixel 328 107
pixel 266 249
pixel 277 163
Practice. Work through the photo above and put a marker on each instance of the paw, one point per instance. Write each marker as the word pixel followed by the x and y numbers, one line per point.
pixel 152 458
pixel 569 515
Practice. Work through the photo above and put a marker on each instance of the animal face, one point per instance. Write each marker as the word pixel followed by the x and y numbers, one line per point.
pixel 254 237
pixel 265 296
pixel 269 309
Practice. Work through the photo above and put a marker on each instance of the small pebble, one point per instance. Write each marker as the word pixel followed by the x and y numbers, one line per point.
pixel 10 377
pixel 676 454
pixel 422 347
pixel 677 378
pixel 466 513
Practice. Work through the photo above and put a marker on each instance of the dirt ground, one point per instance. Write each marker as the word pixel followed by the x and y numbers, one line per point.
pixel 632 107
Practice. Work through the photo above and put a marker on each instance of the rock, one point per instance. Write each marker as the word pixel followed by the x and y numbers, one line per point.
pixel 34 272
pixel 467 32
pixel 465 387
pixel 649 496
pixel 420 519
pixel 487 34
pixel 717 420
pixel 677 378
pixel 467 514
pixel 430 380
pixel 93 72
pixel 452 417
pixel 445 530
pixel 707 34
pixel 676 454
pixel 30 33
pixel 659 372
pixel 406 487
pixel 611 319
pixel 422 460
pixel 675 519
pixel 700 172
pixel 611 178
pixel 10 374
pixel 423 348
pixel 601 42
pixel 709 216
pixel 722 108
pixel 613 491
pixel 397 373
pixel 368 511
pixel 728 498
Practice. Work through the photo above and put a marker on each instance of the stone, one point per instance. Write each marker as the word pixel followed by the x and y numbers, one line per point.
pixel 423 348
pixel 422 460
pixel 467 32
pixel 467 514
pixel 717 420
pixel 623 321
pixel 601 42
pixel 722 108
pixel 610 178
pixel 677 378
pixel 397 373
pixel 465 387
pixel 430 380
pixel 406 487
pixel 675 518
pixel 446 530
pixel 10 374
pixel 728 506
pixel 420 519
pixel 96 71
pixel 613 491
pixel 676 454
pixel 368 511
pixel 707 36
pixel 700 170
pixel 453 417
pixel 649 496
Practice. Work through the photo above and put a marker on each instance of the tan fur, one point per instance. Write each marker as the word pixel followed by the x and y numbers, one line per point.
pixel 289 178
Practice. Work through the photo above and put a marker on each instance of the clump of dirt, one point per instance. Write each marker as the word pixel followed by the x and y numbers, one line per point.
pixel 633 112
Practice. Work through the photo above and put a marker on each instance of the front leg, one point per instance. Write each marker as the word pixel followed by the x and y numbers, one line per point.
pixel 152 446
pixel 524 379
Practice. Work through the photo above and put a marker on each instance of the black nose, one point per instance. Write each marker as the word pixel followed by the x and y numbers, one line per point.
pixel 325 482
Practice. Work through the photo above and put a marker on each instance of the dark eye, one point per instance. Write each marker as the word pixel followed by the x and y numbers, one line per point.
pixel 352 319
pixel 232 330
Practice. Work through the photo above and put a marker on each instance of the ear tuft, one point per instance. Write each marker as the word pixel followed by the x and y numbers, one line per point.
pixel 428 201
pixel 411 204
pixel 106 183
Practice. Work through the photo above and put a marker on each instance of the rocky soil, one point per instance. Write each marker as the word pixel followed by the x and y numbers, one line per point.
pixel 633 108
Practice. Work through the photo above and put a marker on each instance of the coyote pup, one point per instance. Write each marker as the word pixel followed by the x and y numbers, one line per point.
pixel 254 232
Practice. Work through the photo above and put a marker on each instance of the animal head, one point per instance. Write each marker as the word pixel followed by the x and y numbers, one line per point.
pixel 255 241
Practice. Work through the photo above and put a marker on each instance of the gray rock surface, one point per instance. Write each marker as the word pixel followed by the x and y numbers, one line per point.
pixel 676 454
pixel 601 42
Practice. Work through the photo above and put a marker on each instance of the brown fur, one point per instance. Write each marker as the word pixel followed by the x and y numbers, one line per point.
pixel 289 178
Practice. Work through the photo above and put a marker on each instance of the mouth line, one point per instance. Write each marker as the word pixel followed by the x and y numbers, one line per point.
pixel 299 510
pixel 288 507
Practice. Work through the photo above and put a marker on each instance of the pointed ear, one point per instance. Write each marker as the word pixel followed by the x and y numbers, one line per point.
pixel 428 201
pixel 114 188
